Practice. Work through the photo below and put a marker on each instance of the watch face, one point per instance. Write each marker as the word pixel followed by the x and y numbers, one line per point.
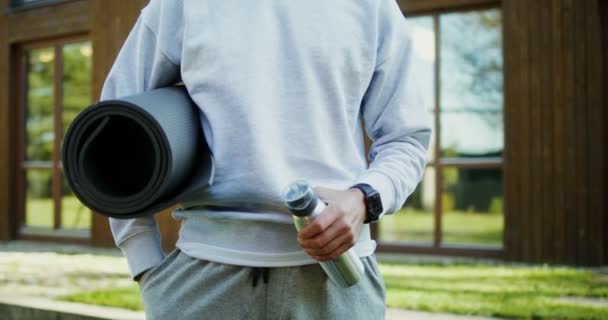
pixel 375 204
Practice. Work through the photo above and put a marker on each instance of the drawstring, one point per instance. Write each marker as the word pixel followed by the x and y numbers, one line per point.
pixel 255 274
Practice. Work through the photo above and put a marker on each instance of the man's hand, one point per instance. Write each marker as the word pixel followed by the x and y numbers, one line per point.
pixel 336 229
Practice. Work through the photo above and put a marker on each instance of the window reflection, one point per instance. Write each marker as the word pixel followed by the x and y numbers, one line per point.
pixel 76 96
pixel 423 35
pixel 39 198
pixel 471 84
pixel 20 2
pixel 39 118
pixel 76 80
pixel 415 221
pixel 472 206
pixel 74 214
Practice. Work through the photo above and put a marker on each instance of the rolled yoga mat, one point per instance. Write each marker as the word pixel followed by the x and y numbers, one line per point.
pixel 138 155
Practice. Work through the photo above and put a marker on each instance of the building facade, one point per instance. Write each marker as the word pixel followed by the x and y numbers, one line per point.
pixel 516 89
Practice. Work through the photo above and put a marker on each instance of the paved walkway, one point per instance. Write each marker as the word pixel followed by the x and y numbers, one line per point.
pixel 33 274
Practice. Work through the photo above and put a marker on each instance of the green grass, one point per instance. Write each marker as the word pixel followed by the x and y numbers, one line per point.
pixel 126 298
pixel 500 291
pixel 74 215
pixel 485 290
pixel 412 225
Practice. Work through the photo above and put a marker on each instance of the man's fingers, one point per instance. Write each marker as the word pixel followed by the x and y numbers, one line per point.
pixel 339 239
pixel 336 253
pixel 319 224
pixel 319 241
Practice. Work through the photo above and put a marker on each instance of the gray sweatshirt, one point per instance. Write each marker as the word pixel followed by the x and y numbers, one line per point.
pixel 283 88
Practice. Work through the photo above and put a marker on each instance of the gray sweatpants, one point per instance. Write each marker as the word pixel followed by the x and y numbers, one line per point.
pixel 183 288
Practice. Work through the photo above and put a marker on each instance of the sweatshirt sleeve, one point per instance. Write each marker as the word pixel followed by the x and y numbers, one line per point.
pixel 149 59
pixel 394 116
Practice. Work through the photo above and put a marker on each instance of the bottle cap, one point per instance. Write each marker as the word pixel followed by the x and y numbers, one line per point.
pixel 300 198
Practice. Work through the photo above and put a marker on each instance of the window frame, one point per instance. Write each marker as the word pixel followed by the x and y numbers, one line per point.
pixel 20 5
pixel 433 9
pixel 21 231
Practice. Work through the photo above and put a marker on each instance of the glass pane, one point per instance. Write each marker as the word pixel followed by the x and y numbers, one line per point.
pixel 20 2
pixel 423 32
pixel 415 221
pixel 74 215
pixel 472 205
pixel 471 84
pixel 38 198
pixel 39 110
pixel 76 80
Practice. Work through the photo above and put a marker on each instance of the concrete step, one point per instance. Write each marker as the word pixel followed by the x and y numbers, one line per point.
pixel 23 307
pixel 26 307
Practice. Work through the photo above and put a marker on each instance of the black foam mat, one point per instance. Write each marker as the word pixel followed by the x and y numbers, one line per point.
pixel 138 155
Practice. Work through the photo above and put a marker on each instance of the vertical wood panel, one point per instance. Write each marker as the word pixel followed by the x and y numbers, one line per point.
pixel 547 214
pixel 595 156
pixel 522 43
pixel 570 129
pixel 5 130
pixel 554 81
pixel 536 126
pixel 512 242
pixel 604 28
pixel 580 104
pixel 559 136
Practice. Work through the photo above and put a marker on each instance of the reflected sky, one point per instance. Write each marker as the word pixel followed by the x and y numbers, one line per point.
pixel 471 88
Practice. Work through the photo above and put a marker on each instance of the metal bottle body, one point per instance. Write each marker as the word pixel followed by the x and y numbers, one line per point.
pixel 344 271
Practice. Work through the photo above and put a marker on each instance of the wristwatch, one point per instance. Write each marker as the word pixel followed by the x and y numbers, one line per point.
pixel 373 202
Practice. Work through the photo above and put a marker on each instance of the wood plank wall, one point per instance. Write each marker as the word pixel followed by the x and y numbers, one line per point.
pixel 5 133
pixel 555 160
pixel 604 14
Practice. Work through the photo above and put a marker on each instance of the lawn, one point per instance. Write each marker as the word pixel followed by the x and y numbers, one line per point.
pixel 39 213
pixel 522 292
pixel 499 291
pixel 412 225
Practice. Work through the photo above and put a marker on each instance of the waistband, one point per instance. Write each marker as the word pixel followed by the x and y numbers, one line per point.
pixel 249 239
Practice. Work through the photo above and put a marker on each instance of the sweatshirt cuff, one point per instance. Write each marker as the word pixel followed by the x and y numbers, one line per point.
pixel 384 185
pixel 143 252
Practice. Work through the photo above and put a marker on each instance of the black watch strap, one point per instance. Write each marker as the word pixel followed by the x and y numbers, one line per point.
pixel 373 202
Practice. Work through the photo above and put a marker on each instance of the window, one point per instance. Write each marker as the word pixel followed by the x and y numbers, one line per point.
pixel 21 2
pixel 56 86
pixel 29 4
pixel 460 200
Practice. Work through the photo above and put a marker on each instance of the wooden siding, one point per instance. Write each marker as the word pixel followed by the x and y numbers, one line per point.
pixel 430 6
pixel 555 132
pixel 604 26
pixel 49 21
pixel 6 194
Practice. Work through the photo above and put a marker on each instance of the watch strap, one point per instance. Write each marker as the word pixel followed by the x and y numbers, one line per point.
pixel 373 204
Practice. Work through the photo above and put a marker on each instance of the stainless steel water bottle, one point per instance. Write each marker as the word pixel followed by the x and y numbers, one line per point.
pixel 347 269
